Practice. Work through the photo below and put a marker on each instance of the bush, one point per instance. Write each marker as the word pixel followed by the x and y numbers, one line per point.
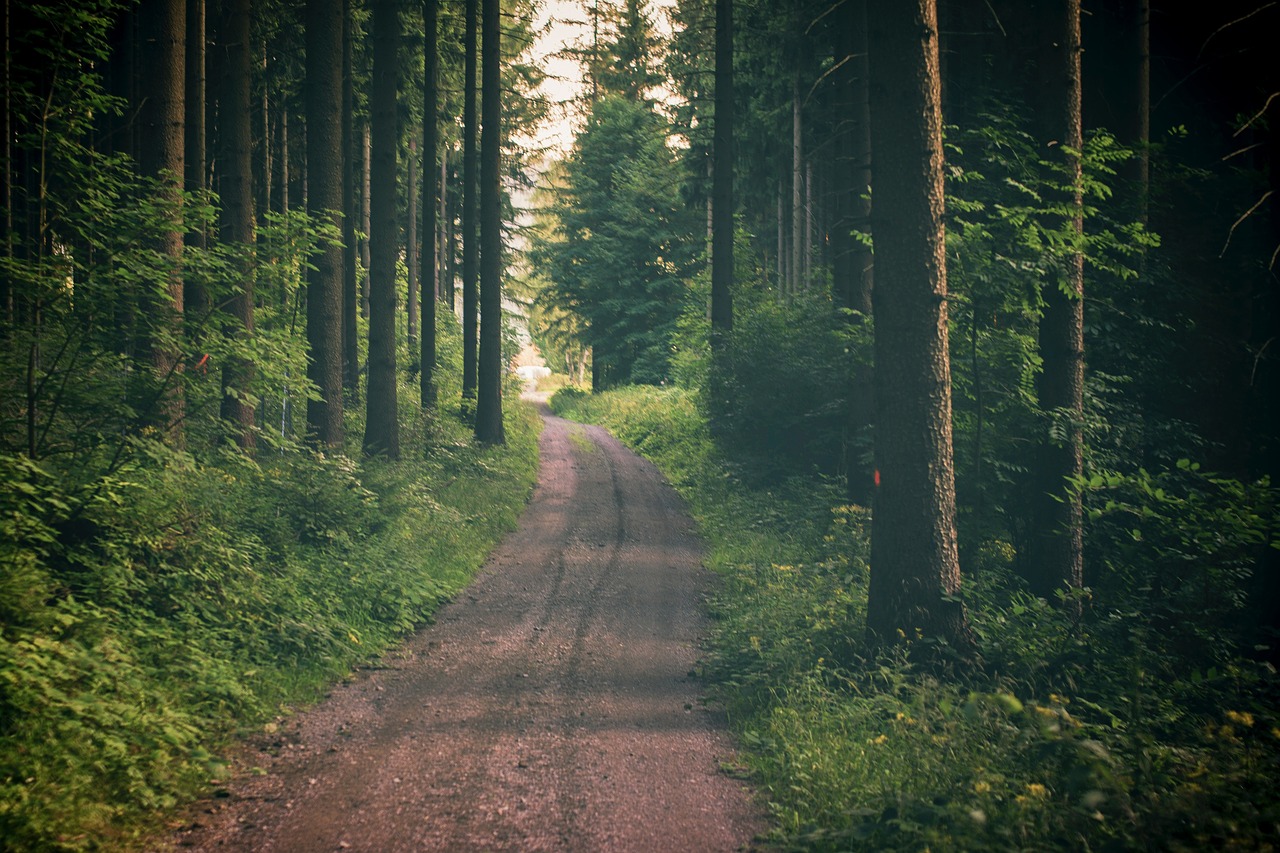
pixel 777 395
pixel 146 617
pixel 1093 733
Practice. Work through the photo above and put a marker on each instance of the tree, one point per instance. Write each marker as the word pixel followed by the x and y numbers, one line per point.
pixel 350 213
pixel 489 429
pixel 625 65
pixel 238 226
pixel 625 245
pixel 722 207
pixel 468 221
pixel 851 259
pixel 382 430
pixel 196 182
pixel 915 572
pixel 324 202
pixel 1057 557
pixel 430 156
pixel 161 114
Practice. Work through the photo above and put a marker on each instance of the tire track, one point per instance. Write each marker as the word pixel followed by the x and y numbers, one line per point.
pixel 549 708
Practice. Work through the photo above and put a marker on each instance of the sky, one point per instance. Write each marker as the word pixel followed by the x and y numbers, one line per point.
pixel 566 21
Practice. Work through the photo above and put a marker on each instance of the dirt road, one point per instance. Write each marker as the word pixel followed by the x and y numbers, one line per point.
pixel 549 708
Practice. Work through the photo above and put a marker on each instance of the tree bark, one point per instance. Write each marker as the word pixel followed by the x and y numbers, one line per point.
pixel 366 214
pixel 412 310
pixel 851 259
pixel 161 114
pixel 489 428
pixel 350 247
pixel 430 277
pixel 382 430
pixel 195 299
pixel 468 221
pixel 797 191
pixel 1057 538
pixel 237 211
pixel 915 572
pixel 324 203
pixel 722 204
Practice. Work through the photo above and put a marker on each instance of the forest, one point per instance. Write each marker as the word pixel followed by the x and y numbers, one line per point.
pixel 953 321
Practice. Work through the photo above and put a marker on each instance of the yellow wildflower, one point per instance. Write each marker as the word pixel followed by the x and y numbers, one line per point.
pixel 1035 789
pixel 1243 718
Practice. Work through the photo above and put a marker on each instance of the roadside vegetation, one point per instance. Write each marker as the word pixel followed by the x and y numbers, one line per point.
pixel 1140 725
pixel 151 614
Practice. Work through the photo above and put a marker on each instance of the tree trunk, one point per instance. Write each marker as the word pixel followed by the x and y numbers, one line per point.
pixel 195 299
pixel 1057 536
pixel 237 211
pixel 382 431
pixel 411 248
pixel 430 277
pixel 797 191
pixel 489 429
pixel 163 29
pixel 782 246
pixel 722 199
pixel 280 159
pixel 6 192
pixel 1136 133
pixel 448 250
pixel 350 250
pixel 262 164
pixel 366 214
pixel 468 222
pixel 851 259
pixel 808 223
pixel 324 203
pixel 449 237
pixel 915 570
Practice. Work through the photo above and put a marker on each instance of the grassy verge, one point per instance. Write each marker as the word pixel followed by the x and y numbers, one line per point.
pixel 1067 736
pixel 188 600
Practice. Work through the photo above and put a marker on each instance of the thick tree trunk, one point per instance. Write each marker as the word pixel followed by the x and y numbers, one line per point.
pixel 489 428
pixel 468 222
pixel 382 430
pixel 722 205
pixel 324 203
pixel 915 572
pixel 1057 537
pixel 161 115
pixel 237 210
pixel 430 277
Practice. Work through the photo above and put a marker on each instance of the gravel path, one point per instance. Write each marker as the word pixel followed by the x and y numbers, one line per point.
pixel 549 708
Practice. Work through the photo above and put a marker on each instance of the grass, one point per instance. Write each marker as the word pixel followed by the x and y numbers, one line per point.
pixel 1065 737
pixel 194 599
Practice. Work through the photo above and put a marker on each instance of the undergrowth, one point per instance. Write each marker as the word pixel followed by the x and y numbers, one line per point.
pixel 1093 734
pixel 148 616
